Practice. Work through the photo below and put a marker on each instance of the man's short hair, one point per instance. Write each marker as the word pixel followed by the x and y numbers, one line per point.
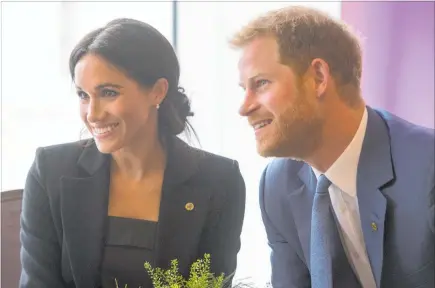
pixel 304 34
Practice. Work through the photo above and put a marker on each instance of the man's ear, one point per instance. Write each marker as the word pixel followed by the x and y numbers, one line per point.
pixel 321 75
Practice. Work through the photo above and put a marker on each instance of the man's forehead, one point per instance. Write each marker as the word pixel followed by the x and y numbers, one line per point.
pixel 260 51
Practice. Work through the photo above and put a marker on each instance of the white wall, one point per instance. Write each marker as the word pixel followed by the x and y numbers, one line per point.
pixel 210 76
pixel 39 106
pixel 34 103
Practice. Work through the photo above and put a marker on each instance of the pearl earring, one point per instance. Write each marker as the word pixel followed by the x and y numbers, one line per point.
pixel 157 106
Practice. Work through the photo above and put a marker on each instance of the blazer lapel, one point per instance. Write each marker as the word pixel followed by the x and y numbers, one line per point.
pixel 375 170
pixel 179 226
pixel 301 202
pixel 84 205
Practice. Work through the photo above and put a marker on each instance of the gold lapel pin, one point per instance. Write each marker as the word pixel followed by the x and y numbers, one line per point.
pixel 374 226
pixel 189 206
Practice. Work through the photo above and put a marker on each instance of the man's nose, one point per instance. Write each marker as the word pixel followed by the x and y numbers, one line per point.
pixel 248 105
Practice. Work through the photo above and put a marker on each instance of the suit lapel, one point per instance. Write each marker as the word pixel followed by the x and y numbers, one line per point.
pixel 180 227
pixel 84 204
pixel 375 170
pixel 301 202
pixel 84 208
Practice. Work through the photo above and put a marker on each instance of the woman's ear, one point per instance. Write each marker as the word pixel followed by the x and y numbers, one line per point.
pixel 159 91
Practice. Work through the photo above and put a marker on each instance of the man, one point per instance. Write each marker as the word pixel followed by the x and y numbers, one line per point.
pixel 301 72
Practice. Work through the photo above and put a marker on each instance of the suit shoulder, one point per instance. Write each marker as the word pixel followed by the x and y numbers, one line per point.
pixel 409 137
pixel 64 149
pixel 62 153
pixel 217 170
pixel 279 176
pixel 279 166
pixel 213 163
pixel 412 148
pixel 400 127
pixel 220 174
pixel 54 159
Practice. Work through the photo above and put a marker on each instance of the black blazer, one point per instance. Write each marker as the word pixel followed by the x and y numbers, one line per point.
pixel 65 208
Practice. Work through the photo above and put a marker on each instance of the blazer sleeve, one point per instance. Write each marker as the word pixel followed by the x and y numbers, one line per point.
pixel 40 249
pixel 222 238
pixel 288 270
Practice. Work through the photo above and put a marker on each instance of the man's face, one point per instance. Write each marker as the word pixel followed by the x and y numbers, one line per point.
pixel 281 108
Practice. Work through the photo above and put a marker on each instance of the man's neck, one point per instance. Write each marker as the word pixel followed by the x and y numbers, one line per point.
pixel 339 130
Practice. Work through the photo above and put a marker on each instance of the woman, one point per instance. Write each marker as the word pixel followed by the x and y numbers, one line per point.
pixel 94 211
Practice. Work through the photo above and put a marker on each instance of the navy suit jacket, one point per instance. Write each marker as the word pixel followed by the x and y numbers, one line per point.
pixel 395 190
pixel 65 211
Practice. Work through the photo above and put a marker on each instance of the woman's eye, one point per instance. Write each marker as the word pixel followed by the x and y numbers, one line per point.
pixel 82 95
pixel 109 93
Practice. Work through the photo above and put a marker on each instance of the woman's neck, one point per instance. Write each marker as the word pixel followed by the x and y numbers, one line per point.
pixel 139 160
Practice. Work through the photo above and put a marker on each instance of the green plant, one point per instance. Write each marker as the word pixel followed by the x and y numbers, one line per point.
pixel 200 276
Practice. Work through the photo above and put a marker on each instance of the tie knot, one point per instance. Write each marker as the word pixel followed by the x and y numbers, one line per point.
pixel 323 184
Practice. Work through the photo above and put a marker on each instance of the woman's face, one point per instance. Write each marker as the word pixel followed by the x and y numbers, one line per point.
pixel 116 110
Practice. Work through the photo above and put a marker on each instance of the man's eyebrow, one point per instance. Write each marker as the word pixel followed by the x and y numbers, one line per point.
pixel 252 78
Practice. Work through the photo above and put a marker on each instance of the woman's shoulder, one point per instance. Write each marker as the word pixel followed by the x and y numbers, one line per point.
pixel 206 162
pixel 215 168
pixel 220 175
pixel 65 152
pixel 214 160
pixel 59 159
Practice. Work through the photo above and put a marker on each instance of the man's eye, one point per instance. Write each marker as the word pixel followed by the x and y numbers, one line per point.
pixel 261 83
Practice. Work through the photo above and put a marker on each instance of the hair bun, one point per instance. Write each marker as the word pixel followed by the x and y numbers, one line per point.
pixel 183 104
pixel 174 111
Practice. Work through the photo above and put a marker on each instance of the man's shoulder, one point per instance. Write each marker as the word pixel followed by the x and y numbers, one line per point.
pixel 409 138
pixel 399 126
pixel 278 167
pixel 412 150
pixel 280 175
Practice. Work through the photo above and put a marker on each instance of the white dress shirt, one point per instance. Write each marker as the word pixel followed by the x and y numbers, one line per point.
pixel 344 200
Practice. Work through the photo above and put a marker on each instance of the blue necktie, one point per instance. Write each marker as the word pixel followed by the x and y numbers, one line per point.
pixel 322 238
pixel 330 267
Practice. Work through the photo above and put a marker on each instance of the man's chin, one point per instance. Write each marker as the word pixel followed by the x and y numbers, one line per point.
pixel 268 150
pixel 275 150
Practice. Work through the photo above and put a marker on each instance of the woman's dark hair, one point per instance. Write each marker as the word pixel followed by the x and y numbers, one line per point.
pixel 145 55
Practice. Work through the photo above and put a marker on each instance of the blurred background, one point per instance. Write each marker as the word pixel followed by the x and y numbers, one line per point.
pixel 39 106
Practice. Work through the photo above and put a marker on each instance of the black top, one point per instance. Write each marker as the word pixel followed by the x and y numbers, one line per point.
pixel 129 244
pixel 65 207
